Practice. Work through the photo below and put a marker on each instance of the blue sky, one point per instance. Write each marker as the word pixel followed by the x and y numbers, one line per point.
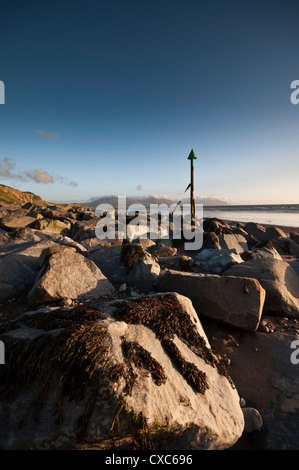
pixel 109 97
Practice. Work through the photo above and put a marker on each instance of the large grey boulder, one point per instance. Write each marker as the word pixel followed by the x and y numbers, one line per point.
pixel 128 264
pixel 286 246
pixel 257 231
pixel 178 262
pixel 210 241
pixel 215 225
pixel 216 261
pixel 224 241
pixel 84 229
pixel 67 241
pixel 19 266
pixel 66 274
pixel 29 234
pixel 233 242
pixel 253 420
pixel 279 280
pixel 272 233
pixel 295 237
pixel 136 374
pixel 239 231
pixel 267 251
pixel 261 251
pixel 237 302
pixel 18 218
pixel 53 226
pixel 264 233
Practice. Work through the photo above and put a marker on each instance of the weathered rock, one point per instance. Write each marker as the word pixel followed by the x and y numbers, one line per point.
pixel 84 229
pixel 4 237
pixel 18 218
pixel 146 243
pixel 52 225
pixel 61 240
pixel 93 243
pixel 279 280
pixel 180 262
pixel 233 241
pixel 168 242
pixel 257 231
pixel 260 254
pixel 216 261
pixel 136 268
pixel 163 251
pixel 286 246
pixel 169 386
pixel 29 206
pixel 263 234
pixel 239 231
pixel 261 251
pixel 54 213
pixel 31 235
pixel 18 267
pixel 253 420
pixel 210 241
pixel 272 233
pixel 294 263
pixel 266 253
pixel 237 302
pixel 215 225
pixel 294 237
pixel 64 273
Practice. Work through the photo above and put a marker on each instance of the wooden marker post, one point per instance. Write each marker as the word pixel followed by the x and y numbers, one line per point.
pixel 192 157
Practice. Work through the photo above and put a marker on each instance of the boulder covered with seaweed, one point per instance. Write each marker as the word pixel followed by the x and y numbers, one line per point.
pixel 126 374
pixel 128 263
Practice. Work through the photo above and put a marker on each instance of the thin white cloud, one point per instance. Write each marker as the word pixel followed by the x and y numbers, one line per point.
pixel 7 165
pixel 49 135
pixel 63 180
pixel 38 175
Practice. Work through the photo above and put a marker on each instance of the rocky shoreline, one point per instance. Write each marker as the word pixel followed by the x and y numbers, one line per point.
pixel 139 344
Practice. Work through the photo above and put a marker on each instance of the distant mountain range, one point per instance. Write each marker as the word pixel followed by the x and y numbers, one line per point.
pixel 11 195
pixel 148 200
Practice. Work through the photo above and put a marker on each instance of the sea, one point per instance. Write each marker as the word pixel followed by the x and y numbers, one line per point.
pixel 285 215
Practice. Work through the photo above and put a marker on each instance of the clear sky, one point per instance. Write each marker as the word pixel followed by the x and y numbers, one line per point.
pixel 108 97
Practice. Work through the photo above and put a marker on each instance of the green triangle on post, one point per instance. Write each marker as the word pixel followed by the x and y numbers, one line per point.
pixel 192 155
